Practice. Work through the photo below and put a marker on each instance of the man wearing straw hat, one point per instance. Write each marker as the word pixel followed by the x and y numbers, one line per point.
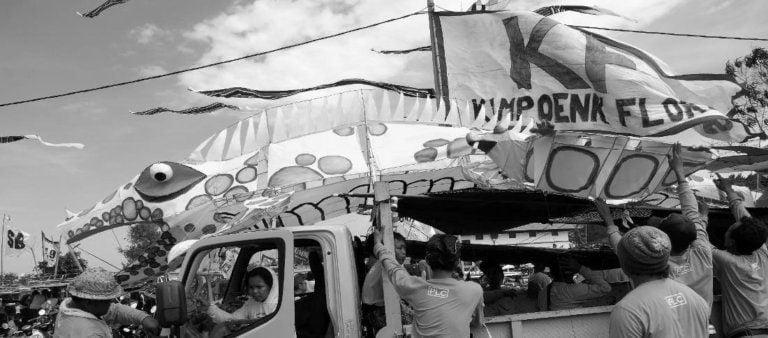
pixel 92 306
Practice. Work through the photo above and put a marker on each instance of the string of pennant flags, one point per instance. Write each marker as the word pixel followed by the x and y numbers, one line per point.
pixel 15 138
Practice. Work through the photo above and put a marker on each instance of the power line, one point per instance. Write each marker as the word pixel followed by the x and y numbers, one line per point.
pixel 675 34
pixel 118 84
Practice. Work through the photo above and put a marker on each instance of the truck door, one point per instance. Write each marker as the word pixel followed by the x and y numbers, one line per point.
pixel 242 285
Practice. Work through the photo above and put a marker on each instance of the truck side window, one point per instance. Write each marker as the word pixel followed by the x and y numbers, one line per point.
pixel 235 288
pixel 311 318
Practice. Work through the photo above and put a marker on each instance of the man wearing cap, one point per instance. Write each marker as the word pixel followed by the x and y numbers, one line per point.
pixel 690 260
pixel 91 307
pixel 657 306
pixel 743 271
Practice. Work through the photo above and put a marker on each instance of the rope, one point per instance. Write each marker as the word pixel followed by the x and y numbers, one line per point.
pixel 676 34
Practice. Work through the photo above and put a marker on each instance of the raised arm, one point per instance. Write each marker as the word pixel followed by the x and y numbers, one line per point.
pixel 402 281
pixel 614 236
pixel 734 199
pixel 688 204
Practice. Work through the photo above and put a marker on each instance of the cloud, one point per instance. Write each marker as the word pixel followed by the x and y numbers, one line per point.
pixel 251 27
pixel 644 12
pixel 151 70
pixel 259 26
pixel 148 33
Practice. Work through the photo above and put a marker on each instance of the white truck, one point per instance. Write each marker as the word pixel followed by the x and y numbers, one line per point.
pixel 336 292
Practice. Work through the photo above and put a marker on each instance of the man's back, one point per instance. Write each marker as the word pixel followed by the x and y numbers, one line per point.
pixel 660 308
pixel 694 269
pixel 744 280
pixel 442 307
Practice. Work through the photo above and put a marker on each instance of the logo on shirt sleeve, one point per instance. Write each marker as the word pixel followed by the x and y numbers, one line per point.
pixel 675 300
pixel 437 292
pixel 681 270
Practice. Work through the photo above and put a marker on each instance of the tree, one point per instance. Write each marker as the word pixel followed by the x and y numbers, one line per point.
pixel 67 266
pixel 140 238
pixel 751 72
pixel 10 278
pixel 588 235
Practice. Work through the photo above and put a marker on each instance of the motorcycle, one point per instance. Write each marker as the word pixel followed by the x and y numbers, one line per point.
pixel 38 327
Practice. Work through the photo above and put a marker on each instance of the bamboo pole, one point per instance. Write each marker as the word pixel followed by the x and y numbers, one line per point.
pixel 58 255
pixel 77 261
pixel 2 254
pixel 384 219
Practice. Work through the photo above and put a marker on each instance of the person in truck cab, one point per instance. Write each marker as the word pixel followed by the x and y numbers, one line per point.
pixel 442 306
pixel 373 289
pixel 262 297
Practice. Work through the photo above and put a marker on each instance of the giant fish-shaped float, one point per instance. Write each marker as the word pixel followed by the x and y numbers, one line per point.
pixel 286 166
pixel 283 167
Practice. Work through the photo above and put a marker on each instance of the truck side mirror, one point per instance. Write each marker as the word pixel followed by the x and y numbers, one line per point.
pixel 171 304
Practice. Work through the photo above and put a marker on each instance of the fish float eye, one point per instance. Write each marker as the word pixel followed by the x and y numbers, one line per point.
pixel 160 172
pixel 164 181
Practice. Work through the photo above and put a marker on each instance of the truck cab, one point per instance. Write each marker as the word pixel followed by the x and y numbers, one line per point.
pixel 315 291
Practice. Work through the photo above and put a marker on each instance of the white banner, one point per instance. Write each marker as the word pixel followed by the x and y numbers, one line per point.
pixel 16 241
pixel 513 64
pixel 51 250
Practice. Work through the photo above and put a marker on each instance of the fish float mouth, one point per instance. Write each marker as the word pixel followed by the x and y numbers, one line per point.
pixel 130 212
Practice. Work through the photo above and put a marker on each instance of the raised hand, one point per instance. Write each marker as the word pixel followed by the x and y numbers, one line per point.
pixel 676 161
pixel 723 184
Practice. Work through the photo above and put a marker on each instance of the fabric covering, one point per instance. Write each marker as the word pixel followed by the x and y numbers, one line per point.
pixel 601 258
pixel 473 211
pixel 283 167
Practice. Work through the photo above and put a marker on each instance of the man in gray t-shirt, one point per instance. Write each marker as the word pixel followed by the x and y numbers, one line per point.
pixel 690 259
pixel 443 306
pixel 743 271
pixel 658 306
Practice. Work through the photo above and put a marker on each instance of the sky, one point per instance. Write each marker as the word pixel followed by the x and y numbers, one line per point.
pixel 47 49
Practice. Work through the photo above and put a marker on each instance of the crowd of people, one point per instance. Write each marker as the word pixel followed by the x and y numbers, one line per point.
pixel 670 262
pixel 16 314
